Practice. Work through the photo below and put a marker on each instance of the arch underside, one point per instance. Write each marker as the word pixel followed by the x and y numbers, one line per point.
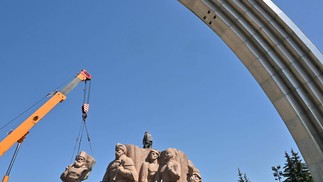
pixel 283 61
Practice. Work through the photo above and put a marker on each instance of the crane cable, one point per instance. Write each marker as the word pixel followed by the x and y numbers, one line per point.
pixel 25 111
pixel 19 142
pixel 33 105
pixel 30 107
pixel 85 109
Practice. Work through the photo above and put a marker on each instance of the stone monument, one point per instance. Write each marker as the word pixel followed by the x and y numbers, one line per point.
pixel 122 169
pixel 135 164
pixel 149 169
pixel 80 170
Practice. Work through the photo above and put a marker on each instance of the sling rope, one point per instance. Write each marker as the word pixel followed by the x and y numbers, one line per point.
pixel 83 125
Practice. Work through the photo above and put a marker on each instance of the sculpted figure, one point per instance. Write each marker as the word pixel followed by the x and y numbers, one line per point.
pixel 80 170
pixel 193 173
pixel 121 169
pixel 147 141
pixel 171 171
pixel 196 177
pixel 150 167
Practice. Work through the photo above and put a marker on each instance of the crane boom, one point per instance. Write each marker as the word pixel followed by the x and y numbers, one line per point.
pixel 19 133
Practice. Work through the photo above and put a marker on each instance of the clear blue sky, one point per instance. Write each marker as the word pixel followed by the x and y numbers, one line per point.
pixel 155 67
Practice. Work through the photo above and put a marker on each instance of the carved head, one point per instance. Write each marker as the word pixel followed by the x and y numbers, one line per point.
pixel 154 154
pixel 169 154
pixel 196 177
pixel 80 160
pixel 120 150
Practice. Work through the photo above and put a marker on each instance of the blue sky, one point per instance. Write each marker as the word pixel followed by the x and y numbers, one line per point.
pixel 155 67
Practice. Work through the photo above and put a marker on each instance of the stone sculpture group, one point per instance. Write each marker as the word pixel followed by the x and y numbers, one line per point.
pixel 135 164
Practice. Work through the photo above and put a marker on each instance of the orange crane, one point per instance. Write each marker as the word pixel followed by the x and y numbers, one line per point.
pixel 19 134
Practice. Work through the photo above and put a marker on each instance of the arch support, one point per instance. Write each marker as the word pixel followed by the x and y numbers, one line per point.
pixel 287 66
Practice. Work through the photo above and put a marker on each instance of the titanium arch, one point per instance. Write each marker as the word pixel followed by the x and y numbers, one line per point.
pixel 284 62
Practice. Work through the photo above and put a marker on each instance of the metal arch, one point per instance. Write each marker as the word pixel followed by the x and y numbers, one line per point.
pixel 283 61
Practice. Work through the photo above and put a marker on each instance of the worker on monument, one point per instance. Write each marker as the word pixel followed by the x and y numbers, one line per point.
pixel 80 170
pixel 121 169
pixel 147 141
pixel 171 171
pixel 149 168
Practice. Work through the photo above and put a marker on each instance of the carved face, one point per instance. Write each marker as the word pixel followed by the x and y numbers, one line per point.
pixel 153 155
pixel 169 154
pixel 119 152
pixel 79 161
pixel 195 178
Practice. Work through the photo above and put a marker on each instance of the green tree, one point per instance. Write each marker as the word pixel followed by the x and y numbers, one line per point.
pixel 295 170
pixel 278 174
pixel 242 177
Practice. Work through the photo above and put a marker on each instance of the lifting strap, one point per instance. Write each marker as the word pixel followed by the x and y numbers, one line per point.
pixel 86 100
pixel 83 126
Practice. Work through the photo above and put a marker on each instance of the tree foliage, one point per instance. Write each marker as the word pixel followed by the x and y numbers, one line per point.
pixel 242 177
pixel 295 170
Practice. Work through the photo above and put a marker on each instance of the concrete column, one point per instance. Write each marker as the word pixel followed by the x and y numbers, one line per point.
pixel 283 61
